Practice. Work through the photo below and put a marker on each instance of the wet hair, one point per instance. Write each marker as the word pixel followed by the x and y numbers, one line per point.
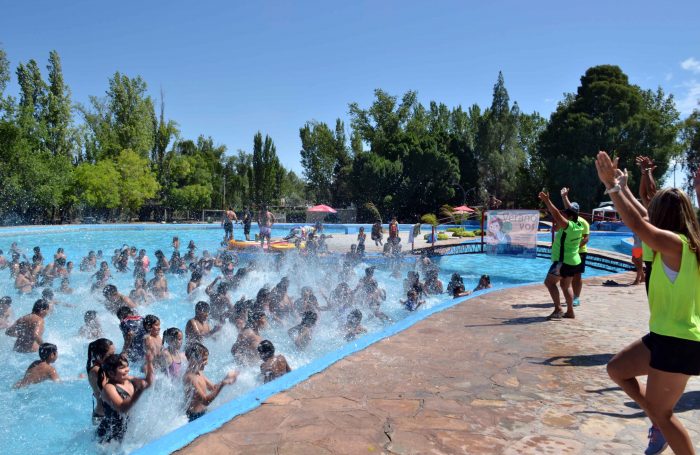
pixel 369 271
pixel 202 307
pixel 124 311
pixel 457 289
pixel 309 318
pixel 170 334
pixel 222 288
pixel 196 351
pixel 256 316
pixel 263 294
pixel 109 290
pixel 266 349
pixel 36 249
pixel 91 253
pixel 159 253
pixel 110 366
pixel 456 277
pixel 7 300
pixel 412 294
pixel 47 293
pixel 149 321
pixel 97 349
pixel 46 349
pixel 355 317
pixel 670 209
pixel 90 315
pixel 485 278
pixel 61 262
pixel 196 275
pixel 39 306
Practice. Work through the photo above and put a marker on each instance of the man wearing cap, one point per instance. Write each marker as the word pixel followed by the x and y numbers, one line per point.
pixel 577 284
pixel 565 257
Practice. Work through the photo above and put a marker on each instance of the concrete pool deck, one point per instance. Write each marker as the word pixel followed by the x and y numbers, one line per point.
pixel 489 375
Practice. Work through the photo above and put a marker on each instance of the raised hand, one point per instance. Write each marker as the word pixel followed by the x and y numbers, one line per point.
pixel 564 192
pixel 606 169
pixel 544 197
pixel 621 177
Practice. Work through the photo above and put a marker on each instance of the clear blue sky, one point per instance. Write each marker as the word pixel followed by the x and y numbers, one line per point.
pixel 230 69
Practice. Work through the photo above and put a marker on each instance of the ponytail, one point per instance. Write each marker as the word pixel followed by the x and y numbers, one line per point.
pixel 97 348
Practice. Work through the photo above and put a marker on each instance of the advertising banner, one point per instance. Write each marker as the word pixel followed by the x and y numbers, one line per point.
pixel 512 233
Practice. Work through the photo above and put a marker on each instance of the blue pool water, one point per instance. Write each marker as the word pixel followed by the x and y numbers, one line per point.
pixel 55 417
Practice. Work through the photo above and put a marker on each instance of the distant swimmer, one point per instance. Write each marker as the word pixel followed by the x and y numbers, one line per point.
pixel 30 328
pixel 41 370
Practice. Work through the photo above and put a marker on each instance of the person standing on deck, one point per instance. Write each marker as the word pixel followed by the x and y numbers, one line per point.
pixel 265 221
pixel 229 218
pixel 565 257
pixel 577 283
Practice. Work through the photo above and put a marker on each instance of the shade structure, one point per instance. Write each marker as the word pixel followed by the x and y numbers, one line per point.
pixel 321 208
pixel 462 209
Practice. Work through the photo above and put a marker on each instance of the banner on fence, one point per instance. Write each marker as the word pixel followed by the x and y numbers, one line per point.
pixel 512 233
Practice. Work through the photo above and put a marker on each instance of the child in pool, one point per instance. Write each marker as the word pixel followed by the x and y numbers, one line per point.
pixel 353 326
pixel 199 390
pixel 5 312
pixel 244 350
pixel 361 237
pixel 30 328
pixel 273 366
pixel 158 284
pixel 484 283
pixel 301 334
pixel 41 370
pixel 412 301
pixel 198 327
pixel 118 395
pixel 152 342
pixel 65 286
pixel 92 328
pixel 171 358
pixel 98 351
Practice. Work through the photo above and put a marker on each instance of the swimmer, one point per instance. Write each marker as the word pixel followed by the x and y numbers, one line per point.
pixel 190 255
pixel 307 302
pixel 161 261
pixel 273 366
pixel 377 233
pixel 5 312
pixel 24 281
pixel 89 262
pixel 158 284
pixel 301 334
pixel 412 302
pixel 171 358
pixel 412 282
pixel 114 300
pixel 433 285
pixel 199 390
pixel 361 237
pixel 101 277
pixel 198 327
pixel 241 309
pixel 98 351
pixel 92 328
pixel 152 342
pixel 139 295
pixel 29 328
pixel 119 394
pixel 41 370
pixel 353 327
pixel 244 350
pixel 131 326
pixel 281 305
pixel 455 279
pixel 65 286
pixel 484 283
pixel 3 260
pixel 221 307
pixel 176 243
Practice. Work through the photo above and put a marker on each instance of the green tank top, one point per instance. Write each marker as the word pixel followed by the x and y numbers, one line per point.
pixel 566 244
pixel 586 231
pixel 675 307
pixel 647 253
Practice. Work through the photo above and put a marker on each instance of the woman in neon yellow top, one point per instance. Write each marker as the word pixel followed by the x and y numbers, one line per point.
pixel 670 353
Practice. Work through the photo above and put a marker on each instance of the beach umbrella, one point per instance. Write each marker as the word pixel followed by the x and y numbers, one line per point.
pixel 462 209
pixel 321 208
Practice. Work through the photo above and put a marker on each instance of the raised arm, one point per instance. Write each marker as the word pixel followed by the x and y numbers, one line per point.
pixel 665 242
pixel 696 183
pixel 560 220
pixel 627 193
pixel 565 197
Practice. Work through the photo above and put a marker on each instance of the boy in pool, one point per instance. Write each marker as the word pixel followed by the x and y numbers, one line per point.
pixel 115 300
pixel 412 302
pixel 273 366
pixel 29 328
pixel 65 286
pixel 5 312
pixel 41 370
pixel 353 326
pixel 92 328
pixel 152 342
pixel 198 327
pixel 199 390
pixel 244 350
pixel 131 326
pixel 158 284
pixel 301 334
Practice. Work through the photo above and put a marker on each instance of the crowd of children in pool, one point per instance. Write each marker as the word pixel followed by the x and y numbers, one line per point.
pixel 108 371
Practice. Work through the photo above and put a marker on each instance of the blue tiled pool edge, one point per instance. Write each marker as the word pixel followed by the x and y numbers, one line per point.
pixel 180 437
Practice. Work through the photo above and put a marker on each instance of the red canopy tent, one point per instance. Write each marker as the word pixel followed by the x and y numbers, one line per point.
pixel 321 208
pixel 463 209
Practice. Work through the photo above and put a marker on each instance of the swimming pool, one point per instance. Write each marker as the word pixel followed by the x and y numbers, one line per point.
pixel 55 418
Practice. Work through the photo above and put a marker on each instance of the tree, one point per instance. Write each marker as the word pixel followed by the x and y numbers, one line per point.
pixel 690 135
pixel 265 168
pixel 57 115
pixel 132 113
pixel 95 185
pixel 318 159
pixel 32 102
pixel 606 113
pixel 6 104
pixel 164 132
pixel 137 184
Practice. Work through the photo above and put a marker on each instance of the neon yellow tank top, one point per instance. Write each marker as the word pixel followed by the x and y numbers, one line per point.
pixel 586 231
pixel 647 253
pixel 675 307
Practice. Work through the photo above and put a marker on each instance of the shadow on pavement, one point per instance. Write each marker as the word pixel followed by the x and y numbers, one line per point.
pixel 519 306
pixel 584 360
pixel 689 401
pixel 512 321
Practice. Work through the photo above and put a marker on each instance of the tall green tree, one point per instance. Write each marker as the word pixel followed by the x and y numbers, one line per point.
pixel 266 166
pixel 318 159
pixel 138 182
pixel 32 102
pixel 606 113
pixel 58 118
pixel 6 102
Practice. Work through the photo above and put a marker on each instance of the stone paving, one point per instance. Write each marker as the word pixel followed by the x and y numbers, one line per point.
pixel 489 375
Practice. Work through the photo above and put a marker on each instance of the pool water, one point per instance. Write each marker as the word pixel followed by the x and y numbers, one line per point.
pixel 55 417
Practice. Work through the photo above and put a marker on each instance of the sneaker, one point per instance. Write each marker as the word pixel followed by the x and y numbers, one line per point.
pixel 577 302
pixel 657 442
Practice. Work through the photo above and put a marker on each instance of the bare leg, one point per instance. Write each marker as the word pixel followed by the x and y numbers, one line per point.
pixel 624 368
pixel 551 283
pixel 577 285
pixel 565 284
pixel 663 392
